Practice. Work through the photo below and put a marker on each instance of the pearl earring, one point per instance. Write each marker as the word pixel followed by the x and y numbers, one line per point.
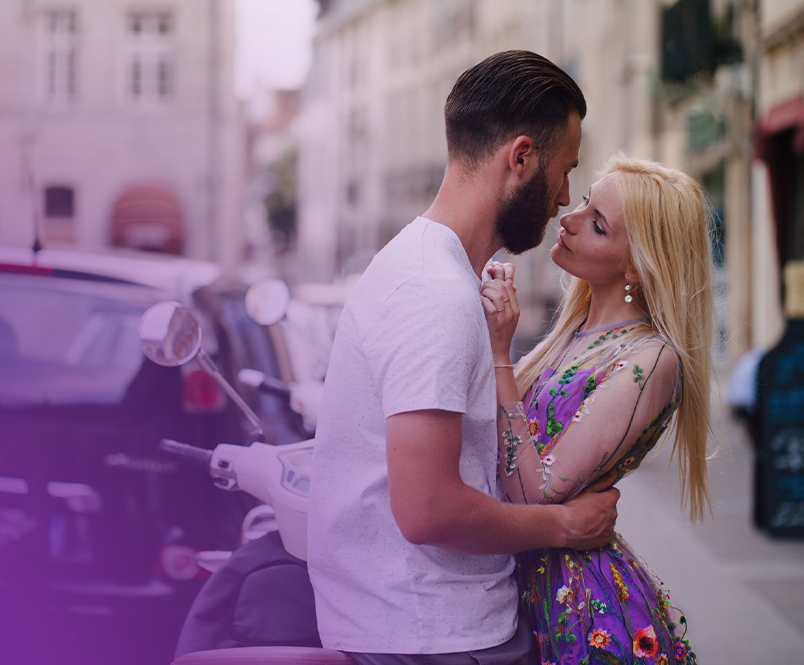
pixel 628 297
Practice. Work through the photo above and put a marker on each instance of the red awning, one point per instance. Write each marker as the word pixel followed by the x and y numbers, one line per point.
pixel 781 118
pixel 780 143
pixel 148 217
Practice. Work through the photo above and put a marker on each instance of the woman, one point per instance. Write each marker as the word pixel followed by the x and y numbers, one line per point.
pixel 629 354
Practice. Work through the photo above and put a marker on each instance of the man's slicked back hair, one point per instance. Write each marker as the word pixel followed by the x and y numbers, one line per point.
pixel 509 94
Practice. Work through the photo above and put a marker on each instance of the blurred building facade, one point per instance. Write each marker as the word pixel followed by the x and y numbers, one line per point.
pixel 271 199
pixel 742 117
pixel 778 231
pixel 372 146
pixel 119 126
pixel 694 84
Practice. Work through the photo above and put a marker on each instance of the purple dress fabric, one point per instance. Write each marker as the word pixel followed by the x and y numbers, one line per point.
pixel 604 605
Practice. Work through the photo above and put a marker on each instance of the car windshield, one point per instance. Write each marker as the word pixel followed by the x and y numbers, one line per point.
pixel 68 341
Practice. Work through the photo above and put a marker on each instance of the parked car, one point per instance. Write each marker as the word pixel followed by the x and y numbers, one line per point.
pixel 97 530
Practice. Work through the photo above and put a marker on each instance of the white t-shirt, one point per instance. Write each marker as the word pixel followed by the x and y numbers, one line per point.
pixel 412 336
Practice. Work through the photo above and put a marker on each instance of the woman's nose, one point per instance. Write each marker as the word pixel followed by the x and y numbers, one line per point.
pixel 565 223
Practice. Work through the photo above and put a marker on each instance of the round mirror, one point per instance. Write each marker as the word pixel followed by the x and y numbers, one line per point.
pixel 267 301
pixel 169 334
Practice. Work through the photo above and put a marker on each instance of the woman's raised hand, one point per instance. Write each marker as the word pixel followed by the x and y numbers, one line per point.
pixel 498 296
pixel 502 271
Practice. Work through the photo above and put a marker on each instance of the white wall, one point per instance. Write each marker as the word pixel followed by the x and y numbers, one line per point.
pixel 101 143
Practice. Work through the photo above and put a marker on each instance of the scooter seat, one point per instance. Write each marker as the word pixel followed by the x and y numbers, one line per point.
pixel 265 656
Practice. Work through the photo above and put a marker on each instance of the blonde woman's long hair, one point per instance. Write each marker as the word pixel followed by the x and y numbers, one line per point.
pixel 668 222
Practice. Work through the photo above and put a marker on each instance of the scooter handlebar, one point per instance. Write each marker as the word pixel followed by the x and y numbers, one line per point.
pixel 187 453
pixel 264 383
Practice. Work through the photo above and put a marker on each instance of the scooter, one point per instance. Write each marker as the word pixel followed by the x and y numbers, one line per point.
pixel 258 607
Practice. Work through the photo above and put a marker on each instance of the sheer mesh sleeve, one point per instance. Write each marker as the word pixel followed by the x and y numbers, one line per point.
pixel 633 401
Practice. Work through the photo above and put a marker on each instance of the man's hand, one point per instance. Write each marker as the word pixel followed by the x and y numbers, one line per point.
pixel 592 517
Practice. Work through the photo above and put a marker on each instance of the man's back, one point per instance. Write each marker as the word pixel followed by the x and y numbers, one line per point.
pixel 412 337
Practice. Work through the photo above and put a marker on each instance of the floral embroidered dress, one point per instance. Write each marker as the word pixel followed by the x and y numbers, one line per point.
pixel 597 413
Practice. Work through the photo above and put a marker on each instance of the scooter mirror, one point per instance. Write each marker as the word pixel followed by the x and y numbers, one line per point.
pixel 169 334
pixel 267 301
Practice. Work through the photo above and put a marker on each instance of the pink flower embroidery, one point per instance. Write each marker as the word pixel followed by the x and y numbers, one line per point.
pixel 547 461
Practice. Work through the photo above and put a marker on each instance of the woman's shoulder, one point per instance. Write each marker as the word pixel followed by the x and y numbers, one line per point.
pixel 655 360
pixel 643 350
pixel 656 345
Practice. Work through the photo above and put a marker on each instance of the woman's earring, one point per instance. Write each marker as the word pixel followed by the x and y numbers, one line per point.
pixel 628 296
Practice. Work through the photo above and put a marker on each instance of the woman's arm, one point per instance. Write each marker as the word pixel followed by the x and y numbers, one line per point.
pixel 519 463
pixel 610 421
pixel 629 398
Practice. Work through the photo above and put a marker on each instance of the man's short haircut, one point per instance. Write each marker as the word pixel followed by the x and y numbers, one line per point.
pixel 509 94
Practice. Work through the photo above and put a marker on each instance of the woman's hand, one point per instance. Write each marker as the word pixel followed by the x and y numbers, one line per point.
pixel 502 271
pixel 498 296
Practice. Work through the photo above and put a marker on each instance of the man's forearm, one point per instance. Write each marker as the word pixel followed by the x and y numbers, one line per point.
pixel 473 522
pixel 432 505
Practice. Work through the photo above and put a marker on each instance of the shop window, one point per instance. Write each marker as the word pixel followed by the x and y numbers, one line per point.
pixel 796 228
pixel 780 144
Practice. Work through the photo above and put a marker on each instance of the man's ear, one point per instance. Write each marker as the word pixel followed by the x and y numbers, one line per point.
pixel 522 155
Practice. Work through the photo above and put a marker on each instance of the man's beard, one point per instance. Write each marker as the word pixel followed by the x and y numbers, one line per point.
pixel 524 215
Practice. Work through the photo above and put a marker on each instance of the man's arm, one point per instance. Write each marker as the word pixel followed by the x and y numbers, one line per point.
pixel 432 505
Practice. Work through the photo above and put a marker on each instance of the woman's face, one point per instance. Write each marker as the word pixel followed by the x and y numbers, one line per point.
pixel 592 242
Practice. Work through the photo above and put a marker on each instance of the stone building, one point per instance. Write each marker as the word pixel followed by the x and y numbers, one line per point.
pixel 742 123
pixel 372 146
pixel 711 86
pixel 119 125
pixel 778 233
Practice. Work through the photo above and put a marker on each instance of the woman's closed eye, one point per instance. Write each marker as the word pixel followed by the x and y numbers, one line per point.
pixel 598 229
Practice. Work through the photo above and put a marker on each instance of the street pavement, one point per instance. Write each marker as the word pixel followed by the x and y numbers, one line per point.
pixel 741 591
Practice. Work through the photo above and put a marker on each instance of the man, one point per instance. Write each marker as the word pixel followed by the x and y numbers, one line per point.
pixel 409 547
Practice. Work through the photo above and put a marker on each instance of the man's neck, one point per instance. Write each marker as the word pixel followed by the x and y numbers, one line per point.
pixel 470 211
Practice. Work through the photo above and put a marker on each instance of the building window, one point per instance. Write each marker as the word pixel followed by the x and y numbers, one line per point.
pixel 60 53
pixel 59 202
pixel 150 76
pixel 58 224
pixel 150 23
